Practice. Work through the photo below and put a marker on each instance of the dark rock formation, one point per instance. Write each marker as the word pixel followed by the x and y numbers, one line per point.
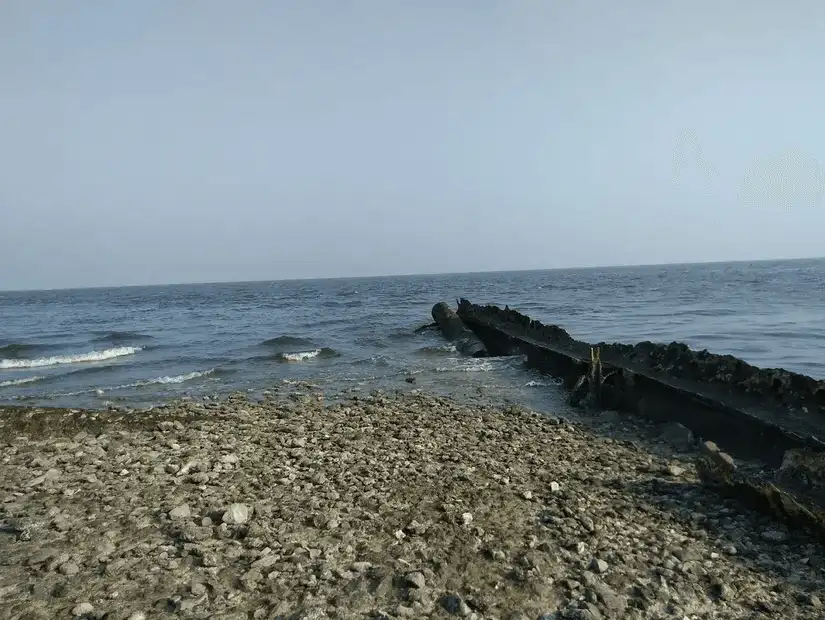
pixel 757 414
pixel 456 331
pixel 676 359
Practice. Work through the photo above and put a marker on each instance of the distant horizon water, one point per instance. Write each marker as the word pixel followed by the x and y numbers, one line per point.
pixel 413 275
pixel 144 345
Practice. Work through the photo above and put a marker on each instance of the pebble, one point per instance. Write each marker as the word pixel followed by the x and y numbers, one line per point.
pixel 236 514
pixel 416 580
pixel 372 470
pixel 180 513
pixel 776 536
pixel 674 470
pixel 69 569
pixel 83 609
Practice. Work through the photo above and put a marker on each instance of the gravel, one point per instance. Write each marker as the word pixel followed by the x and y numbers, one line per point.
pixel 401 506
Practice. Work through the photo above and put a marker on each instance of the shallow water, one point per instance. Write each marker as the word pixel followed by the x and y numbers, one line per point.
pixel 142 345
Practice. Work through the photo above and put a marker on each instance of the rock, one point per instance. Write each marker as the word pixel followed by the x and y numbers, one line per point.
pixel 467 518
pixel 69 569
pixel 236 514
pixel 600 566
pixel 50 476
pixel 180 513
pixel 416 580
pixel 527 495
pixel 137 615
pixel 555 487
pixel 730 549
pixel 83 609
pixel 360 567
pixel 674 470
pixel 451 603
pixel 776 536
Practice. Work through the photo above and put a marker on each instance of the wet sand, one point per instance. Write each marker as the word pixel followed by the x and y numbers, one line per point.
pixel 388 506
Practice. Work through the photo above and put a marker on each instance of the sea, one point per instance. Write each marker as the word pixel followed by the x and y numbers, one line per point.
pixel 142 346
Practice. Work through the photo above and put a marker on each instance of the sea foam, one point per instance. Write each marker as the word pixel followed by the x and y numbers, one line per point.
pixel 22 381
pixel 92 356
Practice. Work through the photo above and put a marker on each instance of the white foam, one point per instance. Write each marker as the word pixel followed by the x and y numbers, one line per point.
pixel 19 381
pixel 167 380
pixel 182 378
pixel 472 365
pixel 300 356
pixel 92 356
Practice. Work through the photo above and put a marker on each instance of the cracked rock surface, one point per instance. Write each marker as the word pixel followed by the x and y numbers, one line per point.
pixel 402 506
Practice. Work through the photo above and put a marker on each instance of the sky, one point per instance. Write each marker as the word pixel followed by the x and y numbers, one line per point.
pixel 196 141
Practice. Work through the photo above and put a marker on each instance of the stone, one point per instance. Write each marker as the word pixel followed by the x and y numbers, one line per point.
pixel 69 569
pixel 674 471
pixel 137 615
pixel 776 536
pixel 451 603
pixel 600 566
pixel 555 487
pixel 180 513
pixel 236 514
pixel 416 580
pixel 83 609
pixel 360 567
pixel 467 518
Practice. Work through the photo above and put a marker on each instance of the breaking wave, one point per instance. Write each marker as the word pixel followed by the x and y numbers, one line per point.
pixel 300 356
pixel 22 381
pixel 92 356
pixel 170 380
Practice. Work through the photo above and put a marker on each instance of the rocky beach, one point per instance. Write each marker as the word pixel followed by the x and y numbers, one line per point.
pixel 382 506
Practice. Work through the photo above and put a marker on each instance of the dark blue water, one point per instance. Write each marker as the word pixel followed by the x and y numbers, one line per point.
pixel 143 345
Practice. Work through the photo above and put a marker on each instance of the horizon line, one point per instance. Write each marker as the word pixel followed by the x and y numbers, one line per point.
pixel 411 275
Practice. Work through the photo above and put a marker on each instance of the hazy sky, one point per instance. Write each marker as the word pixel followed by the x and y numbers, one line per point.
pixel 160 141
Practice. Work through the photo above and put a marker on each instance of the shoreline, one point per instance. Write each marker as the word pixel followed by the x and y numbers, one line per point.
pixel 381 506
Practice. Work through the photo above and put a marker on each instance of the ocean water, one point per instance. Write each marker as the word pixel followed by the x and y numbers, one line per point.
pixel 138 346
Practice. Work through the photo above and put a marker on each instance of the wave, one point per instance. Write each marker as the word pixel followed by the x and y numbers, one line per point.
pixel 120 338
pixel 300 356
pixel 22 381
pixel 287 341
pixel 15 350
pixel 92 356
pixel 472 365
pixel 438 350
pixel 484 364
pixel 168 380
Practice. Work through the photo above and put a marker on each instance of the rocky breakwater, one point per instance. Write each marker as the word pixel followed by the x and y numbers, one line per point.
pixel 793 391
pixel 384 507
pixel 755 412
